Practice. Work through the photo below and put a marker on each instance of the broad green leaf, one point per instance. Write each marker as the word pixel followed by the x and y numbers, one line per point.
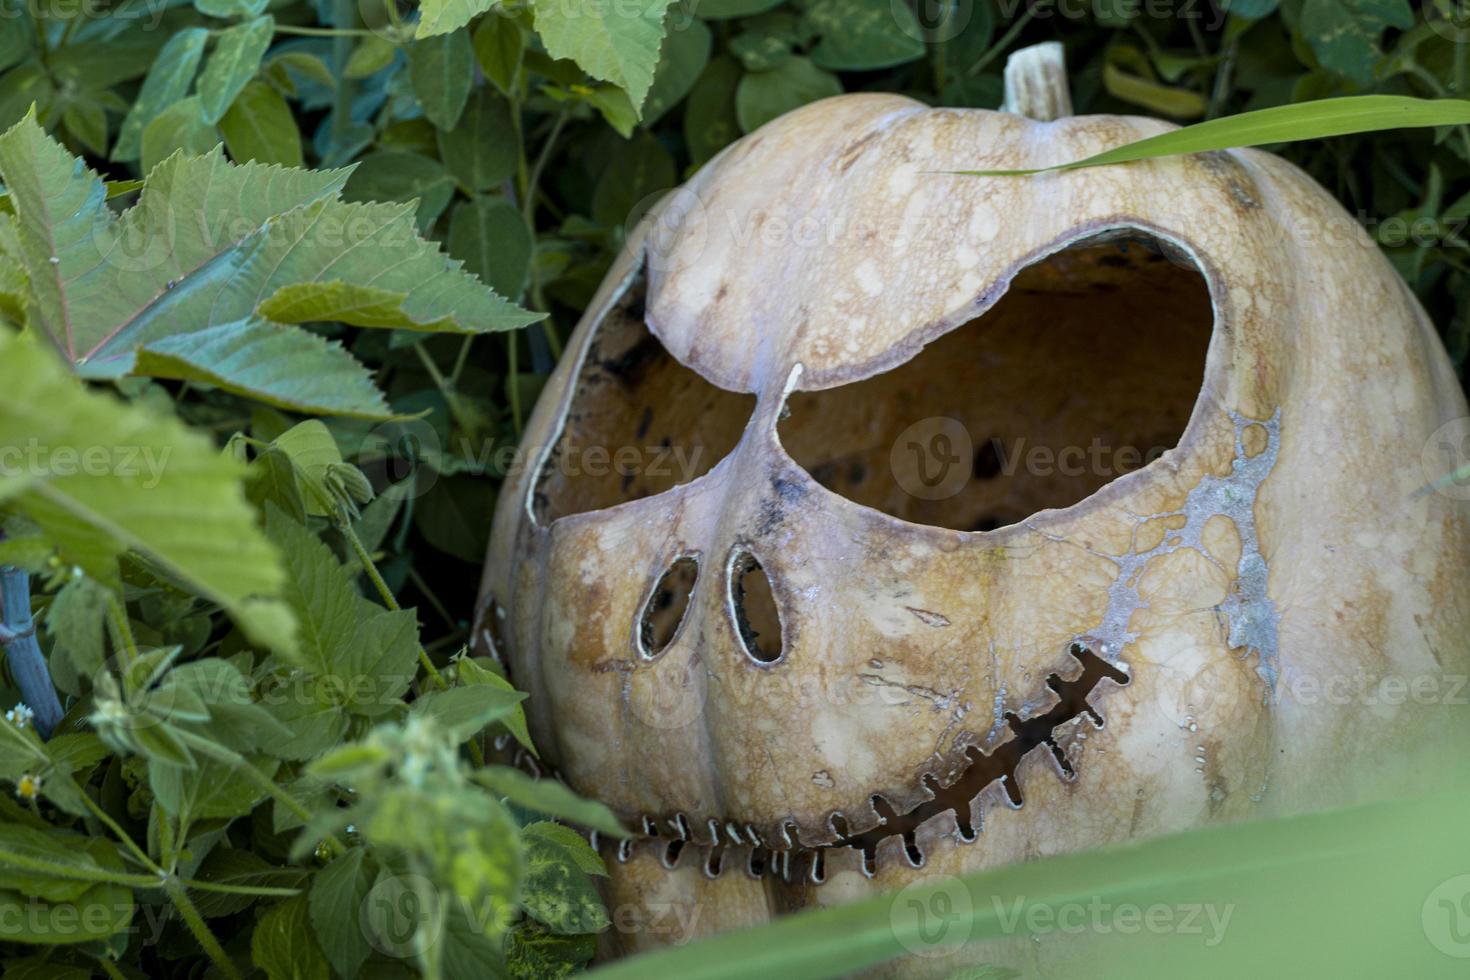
pixel 480 152
pixel 442 69
pixel 532 951
pixel 23 87
pixel 46 864
pixel 167 83
pixel 862 35
pixel 283 947
pixel 499 44
pixel 151 485
pixel 180 127
pixel 491 237
pixel 710 123
pixel 210 242
pixel 1344 33
pixel 684 54
pixel 1278 124
pixel 727 9
pixel 617 43
pixel 75 620
pixel 364 655
pixel 234 62
pixel 576 846
pixel 237 868
pixel 470 672
pixel 337 895
pixel 259 127
pixel 1354 880
pixel 1127 75
pixel 314 454
pixel 398 175
pixel 284 366
pixel 100 911
pixel 549 797
pixel 464 711
pixel 764 95
pixel 372 55
pixel 211 789
pixel 638 168
pixel 231 8
pixel 442 16
pixel 557 892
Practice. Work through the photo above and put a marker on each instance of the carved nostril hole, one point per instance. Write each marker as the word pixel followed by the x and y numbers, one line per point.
pixel 666 608
pixel 757 620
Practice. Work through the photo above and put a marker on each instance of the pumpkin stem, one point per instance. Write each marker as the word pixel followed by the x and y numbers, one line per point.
pixel 1036 82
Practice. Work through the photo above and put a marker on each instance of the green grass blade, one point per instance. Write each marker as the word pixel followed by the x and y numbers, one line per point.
pixel 1336 889
pixel 1278 124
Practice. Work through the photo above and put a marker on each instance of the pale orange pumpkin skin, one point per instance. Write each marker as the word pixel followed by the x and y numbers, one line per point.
pixel 1309 551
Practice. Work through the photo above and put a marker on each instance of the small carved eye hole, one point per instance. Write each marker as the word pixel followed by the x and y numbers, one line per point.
pixel 666 608
pixel 757 619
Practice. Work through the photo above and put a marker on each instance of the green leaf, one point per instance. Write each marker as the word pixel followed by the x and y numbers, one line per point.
pixel 480 152
pixel 549 797
pixel 1278 124
pixel 398 175
pixel 465 711
pixel 230 8
pixel 863 35
pixel 499 45
pixel 238 868
pixel 684 54
pixel 167 83
pixel 259 127
pixel 100 911
pixel 470 672
pixel 557 891
pixel 287 367
pixel 617 43
pixel 212 788
pixel 372 54
pixel 442 68
pixel 442 16
pixel 727 9
pixel 179 127
pixel 210 242
pixel 577 847
pixel 491 237
pixel 764 95
pixel 163 490
pixel 1344 33
pixel 639 167
pixel 337 895
pixel 49 865
pixel 710 123
pixel 233 64
pixel 283 946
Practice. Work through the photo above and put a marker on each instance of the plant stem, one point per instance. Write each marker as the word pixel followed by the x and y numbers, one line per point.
pixel 1003 44
pixel 197 926
pixel 389 600
pixel 111 824
pixel 27 663
pixel 323 31
pixel 117 614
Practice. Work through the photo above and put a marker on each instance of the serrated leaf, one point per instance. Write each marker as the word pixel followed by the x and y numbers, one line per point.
pixel 549 797
pixel 238 868
pixel 399 175
pixel 337 894
pixel 470 673
pixel 682 58
pixel 557 891
pixel 48 865
pixel 443 16
pixel 208 243
pixel 233 63
pixel 162 489
pixel 283 366
pixel 98 912
pixel 442 68
pixel 210 789
pixel 167 83
pixel 282 944
pixel 615 42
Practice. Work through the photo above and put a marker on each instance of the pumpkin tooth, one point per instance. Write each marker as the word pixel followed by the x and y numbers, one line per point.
pixel 680 825
pixel 733 830
pixel 755 865
pixel 713 826
pixel 670 859
pixel 714 861
pixel 911 850
pixel 818 870
pixel 625 850
pixel 753 835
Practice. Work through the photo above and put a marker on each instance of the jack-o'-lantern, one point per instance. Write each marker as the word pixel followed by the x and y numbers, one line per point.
pixel 883 521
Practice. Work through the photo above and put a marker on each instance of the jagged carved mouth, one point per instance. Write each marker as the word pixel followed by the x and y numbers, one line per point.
pixel 787 856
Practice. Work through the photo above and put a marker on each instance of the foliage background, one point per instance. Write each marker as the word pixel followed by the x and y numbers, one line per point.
pixel 530 135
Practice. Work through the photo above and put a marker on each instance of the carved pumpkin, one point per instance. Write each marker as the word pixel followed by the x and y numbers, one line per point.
pixel 795 590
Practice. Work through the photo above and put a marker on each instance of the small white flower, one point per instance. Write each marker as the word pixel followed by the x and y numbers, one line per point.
pixel 20 716
pixel 28 786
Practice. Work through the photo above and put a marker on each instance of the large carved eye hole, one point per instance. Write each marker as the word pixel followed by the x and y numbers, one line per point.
pixel 639 423
pixel 1087 368
pixel 664 612
pixel 757 619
